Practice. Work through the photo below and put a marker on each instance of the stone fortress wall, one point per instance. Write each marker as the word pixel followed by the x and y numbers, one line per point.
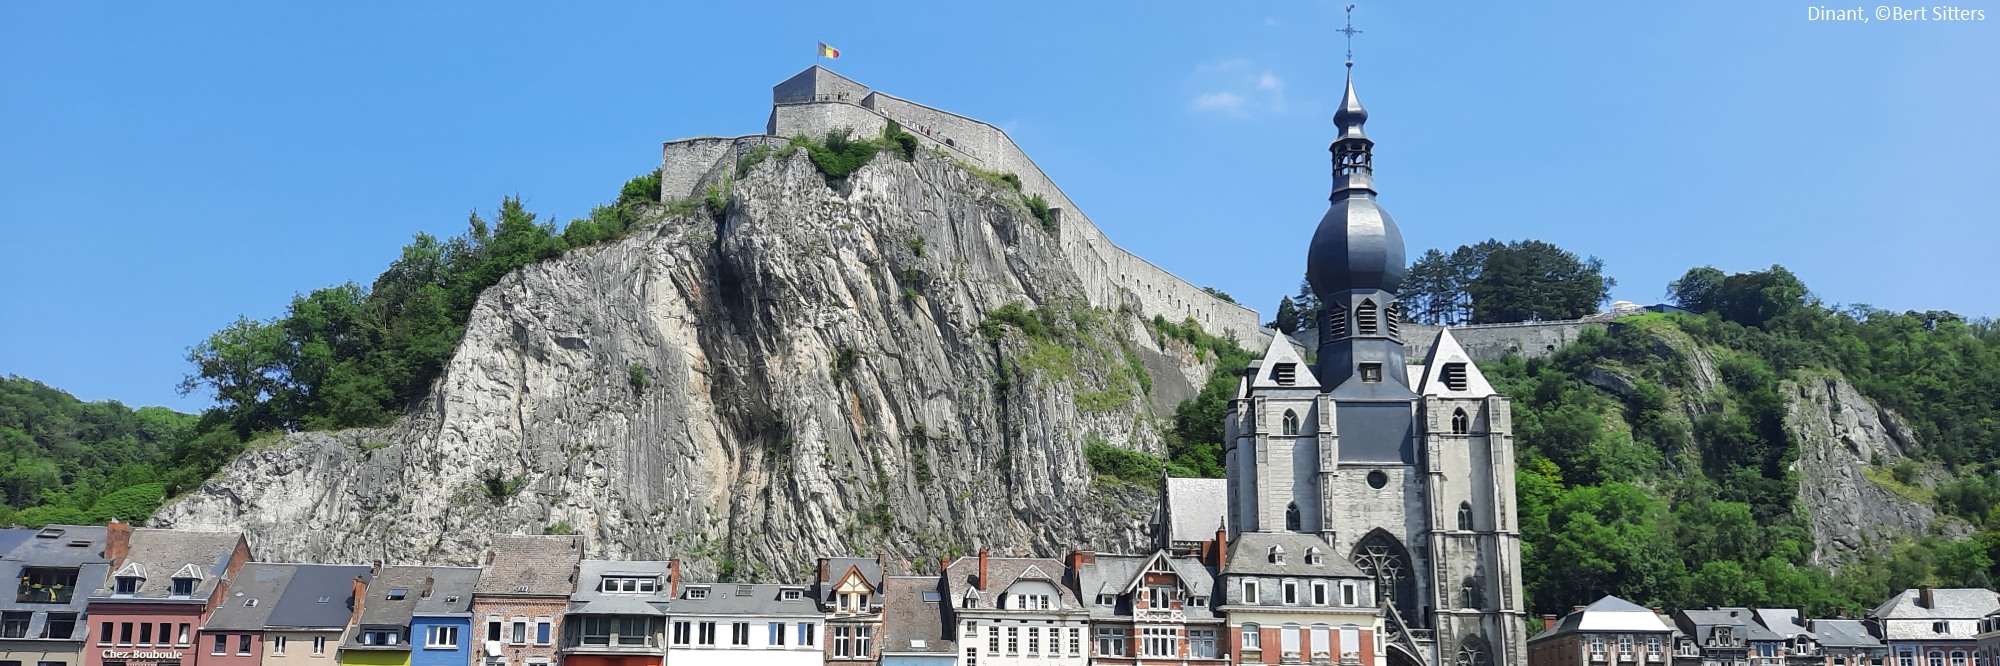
pixel 817 101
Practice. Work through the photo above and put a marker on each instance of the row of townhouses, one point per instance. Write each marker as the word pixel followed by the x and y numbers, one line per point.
pixel 1919 627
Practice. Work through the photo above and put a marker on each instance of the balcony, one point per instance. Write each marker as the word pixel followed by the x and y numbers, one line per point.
pixel 612 644
pixel 42 585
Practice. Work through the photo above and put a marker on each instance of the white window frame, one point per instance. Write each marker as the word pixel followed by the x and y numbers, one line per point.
pixel 435 637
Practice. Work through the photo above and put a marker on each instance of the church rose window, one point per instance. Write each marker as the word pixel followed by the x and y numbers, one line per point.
pixel 1377 479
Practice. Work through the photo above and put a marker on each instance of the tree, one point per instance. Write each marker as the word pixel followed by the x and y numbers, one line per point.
pixel 1219 294
pixel 1431 289
pixel 1287 321
pixel 1696 289
pixel 1536 281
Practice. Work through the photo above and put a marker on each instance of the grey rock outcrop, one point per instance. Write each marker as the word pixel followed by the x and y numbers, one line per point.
pixel 804 376
pixel 1840 434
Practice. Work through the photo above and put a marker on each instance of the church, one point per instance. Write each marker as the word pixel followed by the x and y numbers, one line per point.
pixel 1368 508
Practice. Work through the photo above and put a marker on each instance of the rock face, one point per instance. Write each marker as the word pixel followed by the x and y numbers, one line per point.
pixel 1840 433
pixel 804 376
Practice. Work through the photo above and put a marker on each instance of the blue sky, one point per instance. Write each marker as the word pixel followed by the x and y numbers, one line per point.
pixel 165 168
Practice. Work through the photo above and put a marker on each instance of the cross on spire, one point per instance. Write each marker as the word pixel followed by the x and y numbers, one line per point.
pixel 1350 32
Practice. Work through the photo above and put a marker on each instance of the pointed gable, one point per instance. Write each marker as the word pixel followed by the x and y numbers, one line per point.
pixel 1450 373
pixel 1282 367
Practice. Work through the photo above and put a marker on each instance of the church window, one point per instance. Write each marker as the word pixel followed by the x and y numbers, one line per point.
pixel 1291 423
pixel 1382 557
pixel 1473 652
pixel 1460 423
pixel 1392 317
pixel 1364 318
pixel 1377 479
pixel 1468 593
pixel 1371 372
pixel 1292 517
pixel 1336 321
pixel 1285 374
pixel 1465 516
pixel 1453 376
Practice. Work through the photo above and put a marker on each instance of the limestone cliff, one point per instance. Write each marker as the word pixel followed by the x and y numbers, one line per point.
pixel 804 374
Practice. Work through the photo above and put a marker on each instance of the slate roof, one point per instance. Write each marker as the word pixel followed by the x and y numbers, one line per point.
pixel 1444 350
pixel 1250 556
pixel 588 600
pixel 1783 622
pixel 1196 508
pixel 745 599
pixel 451 592
pixel 1120 574
pixel 1741 621
pixel 531 565
pixel 914 624
pixel 836 571
pixel 1947 604
pixel 56 546
pixel 259 583
pixel 382 610
pixel 158 555
pixel 1844 634
pixel 963 575
pixel 300 607
pixel 1607 614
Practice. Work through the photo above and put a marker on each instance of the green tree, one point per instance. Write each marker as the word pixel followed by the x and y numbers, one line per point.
pixel 1287 321
pixel 1535 281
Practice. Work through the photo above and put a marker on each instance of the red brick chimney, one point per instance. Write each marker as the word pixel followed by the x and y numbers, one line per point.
pixel 360 595
pixel 1548 622
pixel 822 570
pixel 1221 546
pixel 117 542
pixel 1924 597
pixel 674 578
pixel 982 568
pixel 944 566
pixel 1078 558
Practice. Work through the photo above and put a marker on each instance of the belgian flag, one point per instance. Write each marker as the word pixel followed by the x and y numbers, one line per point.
pixel 828 51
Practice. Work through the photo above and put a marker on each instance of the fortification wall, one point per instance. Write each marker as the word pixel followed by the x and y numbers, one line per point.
pixel 1491 342
pixel 683 163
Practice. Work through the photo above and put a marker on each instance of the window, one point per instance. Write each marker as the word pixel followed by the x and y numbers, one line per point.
pixel 1348 591
pixel 104 634
pixel 596 629
pixel 843 642
pixel 243 644
pixel 59 626
pixel 398 593
pixel 739 633
pixel 1460 423
pixel 1941 627
pixel 1454 379
pixel 1013 640
pixel 1250 591
pixel 1291 423
pixel 1159 597
pixel 1107 600
pixel 1291 592
pixel 44 585
pixel 808 633
pixel 182 636
pixel 127 585
pixel 1652 645
pixel 319 645
pixel 324 598
pixel 1336 321
pixel 1201 643
pixel 1936 658
pixel 1365 319
pixel 993 641
pixel 1286 374
pixel 1288 639
pixel 520 633
pixel 183 587
pixel 1465 516
pixel 1322 643
pixel 146 633
pixel 1034 641
pixel 699 592
pixel 1371 372
pixel 1313 556
pixel 795 595
pixel 1075 641
pixel 1159 642
pixel 1319 593
pixel 706 635
pixel 777 634
pixel 1597 646
pixel 1292 517
pixel 15 624
pixel 441 636
pixel 1625 645
pixel 1350 640
pixel 544 630
pixel 1276 555
pixel 683 632
pixel 492 629
pixel 628 584
pixel 861 647
pixel 1253 638
pixel 124 633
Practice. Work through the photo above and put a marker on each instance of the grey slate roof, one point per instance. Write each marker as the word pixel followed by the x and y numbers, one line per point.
pixel 380 609
pixel 1741 621
pixel 12 538
pixel 261 583
pixel 588 600
pixel 55 547
pixel 1250 556
pixel 1947 604
pixel 1196 507
pixel 1118 574
pixel 745 599
pixel 301 608
pixel 1783 622
pixel 1844 634
pixel 158 555
pixel 451 592
pixel 963 575
pixel 836 571
pixel 531 565
pixel 1607 614
pixel 914 624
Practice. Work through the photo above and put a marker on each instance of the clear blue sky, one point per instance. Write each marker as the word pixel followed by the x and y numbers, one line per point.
pixel 166 167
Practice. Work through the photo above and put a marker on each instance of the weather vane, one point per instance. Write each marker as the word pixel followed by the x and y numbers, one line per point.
pixel 1350 32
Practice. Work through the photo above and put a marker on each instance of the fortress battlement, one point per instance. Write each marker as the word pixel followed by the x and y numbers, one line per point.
pixel 817 101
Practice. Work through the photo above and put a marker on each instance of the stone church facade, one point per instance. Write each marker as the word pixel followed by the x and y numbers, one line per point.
pixel 1403 472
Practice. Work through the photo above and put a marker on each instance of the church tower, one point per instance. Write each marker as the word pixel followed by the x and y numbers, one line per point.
pixel 1405 471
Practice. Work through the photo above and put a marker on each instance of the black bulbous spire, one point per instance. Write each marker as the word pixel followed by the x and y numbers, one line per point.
pixel 1357 245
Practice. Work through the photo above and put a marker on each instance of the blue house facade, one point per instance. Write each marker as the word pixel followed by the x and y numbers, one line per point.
pixel 441 625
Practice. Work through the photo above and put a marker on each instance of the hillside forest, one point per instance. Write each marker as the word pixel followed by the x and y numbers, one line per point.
pixel 1624 494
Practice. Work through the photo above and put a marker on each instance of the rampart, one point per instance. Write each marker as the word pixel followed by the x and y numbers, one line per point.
pixel 817 101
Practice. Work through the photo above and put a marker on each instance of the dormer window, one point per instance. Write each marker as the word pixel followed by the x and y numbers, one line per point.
pixel 183 587
pixel 1453 376
pixel 1291 423
pixel 628 584
pixel 791 594
pixel 1312 556
pixel 127 585
pixel 398 593
pixel 1107 600
pixel 1276 554
pixel 1285 374
pixel 698 592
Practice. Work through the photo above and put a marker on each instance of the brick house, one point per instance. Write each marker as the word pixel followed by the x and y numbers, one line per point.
pixel 1149 610
pixel 519 602
pixel 162 586
pixel 1610 630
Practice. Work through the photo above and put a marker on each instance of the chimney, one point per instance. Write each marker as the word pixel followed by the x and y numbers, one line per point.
pixel 430 584
pixel 982 568
pixel 1548 622
pixel 1800 619
pixel 1078 558
pixel 674 578
pixel 1221 547
pixel 375 567
pixel 882 559
pixel 1925 599
pixel 117 542
pixel 360 595
pixel 823 570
